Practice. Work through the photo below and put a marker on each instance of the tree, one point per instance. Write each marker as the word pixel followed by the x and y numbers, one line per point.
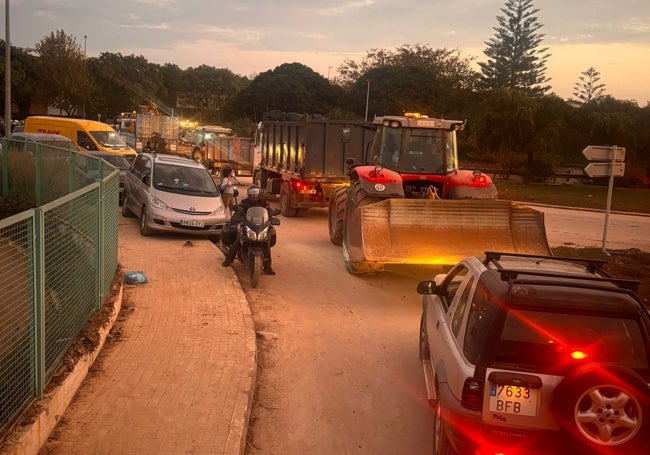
pixel 412 77
pixel 515 58
pixel 23 79
pixel 63 80
pixel 523 133
pixel 124 82
pixel 290 87
pixel 588 89
pixel 205 90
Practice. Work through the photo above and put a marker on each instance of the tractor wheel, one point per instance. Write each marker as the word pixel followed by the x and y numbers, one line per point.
pixel 352 243
pixel 336 214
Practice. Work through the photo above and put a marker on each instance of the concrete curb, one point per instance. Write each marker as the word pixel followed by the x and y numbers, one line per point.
pixel 236 443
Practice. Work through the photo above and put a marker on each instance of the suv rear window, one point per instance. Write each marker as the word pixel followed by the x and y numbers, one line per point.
pixel 546 341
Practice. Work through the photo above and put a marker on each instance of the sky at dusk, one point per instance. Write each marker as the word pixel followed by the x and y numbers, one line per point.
pixel 253 36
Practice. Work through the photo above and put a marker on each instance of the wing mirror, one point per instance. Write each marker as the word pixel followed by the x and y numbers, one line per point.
pixel 427 287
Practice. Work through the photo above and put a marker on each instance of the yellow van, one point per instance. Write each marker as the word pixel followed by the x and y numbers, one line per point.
pixel 87 134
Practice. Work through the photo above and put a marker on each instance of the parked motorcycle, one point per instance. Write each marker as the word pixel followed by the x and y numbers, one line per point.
pixel 257 233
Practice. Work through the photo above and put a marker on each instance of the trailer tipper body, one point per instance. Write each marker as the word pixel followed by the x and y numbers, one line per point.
pixel 302 158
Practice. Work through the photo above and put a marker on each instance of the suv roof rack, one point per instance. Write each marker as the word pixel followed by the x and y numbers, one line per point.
pixel 592 265
pixel 513 274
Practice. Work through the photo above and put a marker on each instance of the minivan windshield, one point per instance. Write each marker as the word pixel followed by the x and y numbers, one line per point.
pixel 184 179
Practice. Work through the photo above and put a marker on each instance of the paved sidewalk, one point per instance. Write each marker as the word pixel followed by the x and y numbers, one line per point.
pixel 181 379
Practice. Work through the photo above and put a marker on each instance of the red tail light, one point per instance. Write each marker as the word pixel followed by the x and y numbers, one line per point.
pixel 299 185
pixel 472 394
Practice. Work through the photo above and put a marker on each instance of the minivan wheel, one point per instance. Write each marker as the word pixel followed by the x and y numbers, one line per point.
pixel 126 212
pixel 144 228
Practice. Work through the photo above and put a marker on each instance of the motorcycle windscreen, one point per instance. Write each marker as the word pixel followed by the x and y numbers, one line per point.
pixel 257 216
pixel 421 231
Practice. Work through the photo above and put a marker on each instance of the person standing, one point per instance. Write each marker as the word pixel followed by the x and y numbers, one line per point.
pixel 228 185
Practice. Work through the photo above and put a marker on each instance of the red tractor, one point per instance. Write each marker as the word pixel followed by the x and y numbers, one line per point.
pixel 409 203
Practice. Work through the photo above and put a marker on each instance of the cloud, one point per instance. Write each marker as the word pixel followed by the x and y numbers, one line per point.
pixel 342 9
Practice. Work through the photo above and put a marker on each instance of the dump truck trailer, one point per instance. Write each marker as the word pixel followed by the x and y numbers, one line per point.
pixel 302 158
pixel 408 202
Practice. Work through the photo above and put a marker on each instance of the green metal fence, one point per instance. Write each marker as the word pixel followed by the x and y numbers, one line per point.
pixel 57 261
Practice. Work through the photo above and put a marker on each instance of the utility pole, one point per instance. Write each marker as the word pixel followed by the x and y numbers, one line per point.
pixel 7 73
pixel 83 107
pixel 367 98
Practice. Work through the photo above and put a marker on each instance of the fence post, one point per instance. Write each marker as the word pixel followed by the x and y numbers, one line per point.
pixel 39 300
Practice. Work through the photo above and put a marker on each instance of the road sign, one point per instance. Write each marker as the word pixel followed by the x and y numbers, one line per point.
pixel 603 153
pixel 602 169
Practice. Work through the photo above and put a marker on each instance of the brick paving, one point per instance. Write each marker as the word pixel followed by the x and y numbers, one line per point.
pixel 181 379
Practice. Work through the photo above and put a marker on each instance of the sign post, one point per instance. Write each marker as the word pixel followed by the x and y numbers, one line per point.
pixel 607 161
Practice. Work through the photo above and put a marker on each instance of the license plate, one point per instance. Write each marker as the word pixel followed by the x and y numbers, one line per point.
pixel 192 223
pixel 510 399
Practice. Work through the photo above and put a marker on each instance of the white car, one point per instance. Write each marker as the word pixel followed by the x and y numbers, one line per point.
pixel 527 355
pixel 173 194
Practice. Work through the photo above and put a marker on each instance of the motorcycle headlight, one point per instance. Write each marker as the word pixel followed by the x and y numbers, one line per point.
pixel 250 234
pixel 263 235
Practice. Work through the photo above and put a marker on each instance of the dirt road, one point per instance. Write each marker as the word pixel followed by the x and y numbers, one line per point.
pixel 338 353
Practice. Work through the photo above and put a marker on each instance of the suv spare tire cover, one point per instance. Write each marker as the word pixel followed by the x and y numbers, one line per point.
pixel 605 406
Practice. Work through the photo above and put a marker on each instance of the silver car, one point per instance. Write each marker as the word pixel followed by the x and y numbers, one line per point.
pixel 173 194
pixel 528 355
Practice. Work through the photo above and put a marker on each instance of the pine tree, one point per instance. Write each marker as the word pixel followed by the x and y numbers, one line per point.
pixel 515 58
pixel 588 89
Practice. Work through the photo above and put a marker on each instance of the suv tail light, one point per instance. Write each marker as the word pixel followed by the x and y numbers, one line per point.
pixel 472 394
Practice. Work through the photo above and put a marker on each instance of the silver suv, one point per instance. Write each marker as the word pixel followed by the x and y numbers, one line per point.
pixel 173 194
pixel 527 354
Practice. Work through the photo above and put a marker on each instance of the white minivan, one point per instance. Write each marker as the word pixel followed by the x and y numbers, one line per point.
pixel 173 194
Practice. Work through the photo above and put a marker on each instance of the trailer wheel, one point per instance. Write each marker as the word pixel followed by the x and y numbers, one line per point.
pixel 285 203
pixel 352 243
pixel 336 214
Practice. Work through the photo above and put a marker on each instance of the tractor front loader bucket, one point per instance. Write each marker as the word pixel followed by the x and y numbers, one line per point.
pixel 421 231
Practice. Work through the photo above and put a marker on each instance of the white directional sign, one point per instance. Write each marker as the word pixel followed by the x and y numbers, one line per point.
pixel 605 162
pixel 603 153
pixel 601 169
